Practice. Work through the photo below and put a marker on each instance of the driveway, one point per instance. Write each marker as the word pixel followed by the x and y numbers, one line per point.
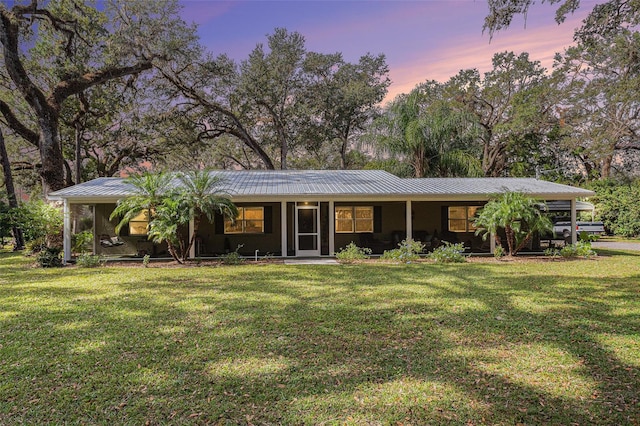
pixel 615 245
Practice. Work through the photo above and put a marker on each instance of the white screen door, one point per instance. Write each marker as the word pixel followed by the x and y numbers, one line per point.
pixel 307 229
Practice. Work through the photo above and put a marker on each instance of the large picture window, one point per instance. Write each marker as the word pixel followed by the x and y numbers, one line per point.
pixel 250 220
pixel 461 218
pixel 139 225
pixel 350 219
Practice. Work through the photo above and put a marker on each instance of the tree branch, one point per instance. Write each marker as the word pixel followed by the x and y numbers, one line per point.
pixel 73 86
pixel 17 126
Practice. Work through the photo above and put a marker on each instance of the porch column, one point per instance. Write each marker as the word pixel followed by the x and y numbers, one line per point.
pixel 283 227
pixel 192 250
pixel 332 228
pixel 94 229
pixel 66 232
pixel 574 232
pixel 409 221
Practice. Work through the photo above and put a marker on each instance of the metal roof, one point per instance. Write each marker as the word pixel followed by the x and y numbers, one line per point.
pixel 279 184
pixel 565 205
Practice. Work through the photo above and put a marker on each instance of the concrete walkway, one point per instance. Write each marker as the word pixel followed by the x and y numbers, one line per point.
pixel 311 261
pixel 615 245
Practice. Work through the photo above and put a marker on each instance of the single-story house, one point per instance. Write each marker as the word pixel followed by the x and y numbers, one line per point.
pixel 304 213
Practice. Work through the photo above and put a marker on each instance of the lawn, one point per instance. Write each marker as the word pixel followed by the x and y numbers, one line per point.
pixel 508 343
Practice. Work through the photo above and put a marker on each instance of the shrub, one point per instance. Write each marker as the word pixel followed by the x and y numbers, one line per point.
pixel 81 242
pixel 498 252
pixel 352 253
pixel 145 260
pixel 34 246
pixel 552 252
pixel 39 221
pixel 408 251
pixel 617 206
pixel 86 260
pixel 579 249
pixel 50 257
pixel 234 257
pixel 448 253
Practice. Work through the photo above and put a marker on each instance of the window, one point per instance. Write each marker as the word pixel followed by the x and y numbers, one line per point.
pixel 350 219
pixel 461 218
pixel 250 220
pixel 139 225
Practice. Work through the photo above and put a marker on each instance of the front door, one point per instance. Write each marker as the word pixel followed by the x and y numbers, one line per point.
pixel 307 229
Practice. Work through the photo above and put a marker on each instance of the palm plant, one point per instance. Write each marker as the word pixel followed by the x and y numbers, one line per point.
pixel 149 191
pixel 433 136
pixel 170 217
pixel 518 214
pixel 202 195
pixel 171 207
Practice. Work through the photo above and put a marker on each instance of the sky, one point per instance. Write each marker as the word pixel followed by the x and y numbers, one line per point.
pixel 422 40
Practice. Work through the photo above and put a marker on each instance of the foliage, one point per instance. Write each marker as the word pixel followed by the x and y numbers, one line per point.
pixel 234 257
pixel 498 252
pixel 5 224
pixel 352 253
pixel 606 18
pixel 579 249
pixel 408 251
pixel 81 242
pixel 551 252
pixel 145 260
pixel 425 342
pixel 585 236
pixel 57 51
pixel 39 221
pixel 517 214
pixel 87 260
pixel 172 203
pixel 150 189
pixel 512 105
pixel 448 253
pixel 49 257
pixel 602 85
pixel 429 133
pixel 617 206
pixel 282 106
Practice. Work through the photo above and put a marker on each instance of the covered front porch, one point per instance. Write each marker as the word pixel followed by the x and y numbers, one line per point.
pixel 289 228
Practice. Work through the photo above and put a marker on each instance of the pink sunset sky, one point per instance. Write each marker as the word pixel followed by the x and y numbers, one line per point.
pixel 422 40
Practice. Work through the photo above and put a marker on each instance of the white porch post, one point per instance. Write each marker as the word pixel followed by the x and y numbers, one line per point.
pixel 409 221
pixel 66 234
pixel 283 227
pixel 192 250
pixel 332 228
pixel 95 228
pixel 574 220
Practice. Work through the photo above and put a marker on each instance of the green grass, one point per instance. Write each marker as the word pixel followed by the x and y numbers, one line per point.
pixel 477 343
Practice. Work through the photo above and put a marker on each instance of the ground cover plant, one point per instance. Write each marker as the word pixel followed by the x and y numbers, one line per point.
pixel 540 342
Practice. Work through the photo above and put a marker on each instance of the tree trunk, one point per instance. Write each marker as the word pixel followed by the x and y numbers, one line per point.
pixel 343 153
pixel 605 167
pixel 78 142
pixel 11 192
pixel 52 171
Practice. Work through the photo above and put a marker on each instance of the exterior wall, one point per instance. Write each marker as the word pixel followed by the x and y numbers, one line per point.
pixel 391 227
pixel 212 240
pixel 429 223
pixel 431 219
